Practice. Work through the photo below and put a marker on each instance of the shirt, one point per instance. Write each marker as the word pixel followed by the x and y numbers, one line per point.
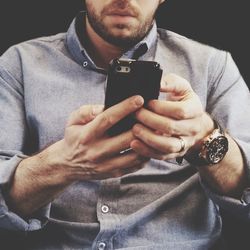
pixel 164 205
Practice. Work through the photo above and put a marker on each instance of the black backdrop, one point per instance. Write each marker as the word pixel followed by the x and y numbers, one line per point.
pixel 220 23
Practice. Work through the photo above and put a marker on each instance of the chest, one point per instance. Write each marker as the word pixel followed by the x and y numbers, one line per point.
pixel 51 96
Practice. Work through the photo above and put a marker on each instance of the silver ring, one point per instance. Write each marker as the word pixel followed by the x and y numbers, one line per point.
pixel 183 144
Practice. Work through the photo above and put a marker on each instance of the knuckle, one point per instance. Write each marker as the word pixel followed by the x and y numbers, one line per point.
pixel 169 128
pixel 85 138
pixel 106 120
pixel 182 113
pixel 92 157
pixel 84 113
pixel 149 141
pixel 81 115
pixel 195 129
pixel 81 112
pixel 126 139
pixel 71 118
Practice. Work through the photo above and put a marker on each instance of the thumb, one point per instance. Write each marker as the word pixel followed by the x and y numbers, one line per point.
pixel 84 114
pixel 177 87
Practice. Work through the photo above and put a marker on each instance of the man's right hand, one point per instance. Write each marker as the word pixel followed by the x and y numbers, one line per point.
pixel 85 153
pixel 89 153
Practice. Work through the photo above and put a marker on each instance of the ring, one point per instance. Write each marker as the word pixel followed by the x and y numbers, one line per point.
pixel 183 144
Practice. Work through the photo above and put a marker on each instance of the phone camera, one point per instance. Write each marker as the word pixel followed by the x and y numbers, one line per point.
pixel 118 69
pixel 122 69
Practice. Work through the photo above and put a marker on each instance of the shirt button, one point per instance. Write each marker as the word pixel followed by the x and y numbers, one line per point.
pixel 85 64
pixel 101 246
pixel 105 209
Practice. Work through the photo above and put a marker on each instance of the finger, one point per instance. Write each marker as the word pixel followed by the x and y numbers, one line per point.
pixel 175 84
pixel 122 161
pixel 166 125
pixel 110 146
pixel 142 149
pixel 119 164
pixel 112 115
pixel 145 150
pixel 103 170
pixel 164 144
pixel 84 114
pixel 187 103
pixel 185 109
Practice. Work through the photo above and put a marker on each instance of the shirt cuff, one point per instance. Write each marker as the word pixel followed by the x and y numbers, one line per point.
pixel 238 207
pixel 8 219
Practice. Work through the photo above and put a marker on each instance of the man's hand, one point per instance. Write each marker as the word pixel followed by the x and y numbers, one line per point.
pixel 85 153
pixel 88 153
pixel 162 125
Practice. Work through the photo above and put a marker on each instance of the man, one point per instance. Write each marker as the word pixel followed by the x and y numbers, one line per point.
pixel 67 184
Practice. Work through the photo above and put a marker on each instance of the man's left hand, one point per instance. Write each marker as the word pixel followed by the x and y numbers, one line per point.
pixel 167 129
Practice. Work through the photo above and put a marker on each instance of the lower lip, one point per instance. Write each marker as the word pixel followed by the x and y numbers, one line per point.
pixel 118 18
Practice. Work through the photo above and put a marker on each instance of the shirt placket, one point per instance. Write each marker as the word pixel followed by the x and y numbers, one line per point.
pixel 107 214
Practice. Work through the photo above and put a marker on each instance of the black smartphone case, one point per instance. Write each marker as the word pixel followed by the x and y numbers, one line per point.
pixel 128 78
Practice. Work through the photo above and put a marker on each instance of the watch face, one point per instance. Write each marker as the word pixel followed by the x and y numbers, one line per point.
pixel 217 149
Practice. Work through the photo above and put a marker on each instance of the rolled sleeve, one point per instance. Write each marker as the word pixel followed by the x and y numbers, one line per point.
pixel 8 219
pixel 238 207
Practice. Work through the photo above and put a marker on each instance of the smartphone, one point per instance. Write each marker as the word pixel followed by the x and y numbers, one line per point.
pixel 128 78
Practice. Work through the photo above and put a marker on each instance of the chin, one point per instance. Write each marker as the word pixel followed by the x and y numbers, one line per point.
pixel 122 35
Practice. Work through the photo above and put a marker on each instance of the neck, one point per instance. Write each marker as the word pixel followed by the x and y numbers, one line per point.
pixel 100 51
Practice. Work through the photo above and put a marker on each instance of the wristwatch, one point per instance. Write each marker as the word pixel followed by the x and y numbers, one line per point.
pixel 213 148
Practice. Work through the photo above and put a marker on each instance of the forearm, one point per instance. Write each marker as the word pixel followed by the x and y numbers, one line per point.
pixel 229 176
pixel 37 181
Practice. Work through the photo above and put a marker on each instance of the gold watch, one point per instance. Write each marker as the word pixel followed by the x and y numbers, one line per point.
pixel 213 149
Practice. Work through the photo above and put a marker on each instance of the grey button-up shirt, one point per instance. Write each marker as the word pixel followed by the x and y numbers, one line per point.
pixel 164 205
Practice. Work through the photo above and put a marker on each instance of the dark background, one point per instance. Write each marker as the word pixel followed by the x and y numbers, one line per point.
pixel 220 23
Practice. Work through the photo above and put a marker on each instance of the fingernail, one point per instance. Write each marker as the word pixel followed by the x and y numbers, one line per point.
pixel 139 100
pixel 97 110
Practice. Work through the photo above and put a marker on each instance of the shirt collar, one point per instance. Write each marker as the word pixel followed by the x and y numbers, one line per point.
pixel 148 42
pixel 75 42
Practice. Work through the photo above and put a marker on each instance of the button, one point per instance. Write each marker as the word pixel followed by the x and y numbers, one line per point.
pixel 105 209
pixel 85 64
pixel 101 246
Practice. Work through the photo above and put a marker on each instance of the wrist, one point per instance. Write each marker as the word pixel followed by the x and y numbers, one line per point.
pixel 207 127
pixel 58 164
pixel 46 167
pixel 211 149
pixel 37 181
